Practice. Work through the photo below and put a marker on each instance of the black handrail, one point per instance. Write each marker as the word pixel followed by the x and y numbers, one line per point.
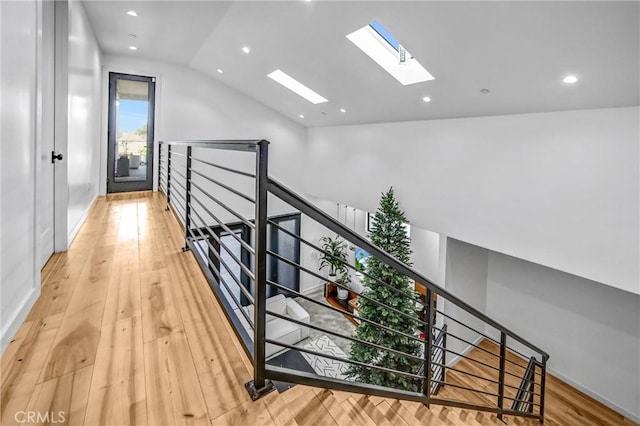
pixel 299 203
pixel 432 373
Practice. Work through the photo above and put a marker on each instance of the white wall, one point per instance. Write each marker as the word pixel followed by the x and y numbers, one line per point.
pixel 20 278
pixel 591 331
pixel 466 277
pixel 425 256
pixel 84 109
pixel 560 189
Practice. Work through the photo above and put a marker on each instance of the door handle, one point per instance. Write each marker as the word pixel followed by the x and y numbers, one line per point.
pixel 55 157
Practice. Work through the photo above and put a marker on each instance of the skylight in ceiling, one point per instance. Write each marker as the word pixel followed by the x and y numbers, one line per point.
pixel 378 43
pixel 295 86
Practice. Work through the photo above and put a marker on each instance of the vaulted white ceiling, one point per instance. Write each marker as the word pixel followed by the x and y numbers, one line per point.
pixel 519 51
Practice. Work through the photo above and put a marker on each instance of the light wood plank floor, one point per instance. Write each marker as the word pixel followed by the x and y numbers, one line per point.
pixel 126 331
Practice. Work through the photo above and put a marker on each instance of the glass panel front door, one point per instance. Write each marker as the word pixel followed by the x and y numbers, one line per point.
pixel 131 106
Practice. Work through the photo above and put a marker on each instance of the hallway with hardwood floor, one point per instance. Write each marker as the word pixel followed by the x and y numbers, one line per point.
pixel 126 331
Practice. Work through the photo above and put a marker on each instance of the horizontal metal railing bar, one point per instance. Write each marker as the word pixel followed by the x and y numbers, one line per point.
pixel 178 183
pixel 224 226
pixel 178 154
pixel 240 172
pixel 213 235
pixel 345 360
pixel 488 337
pixel 177 162
pixel 379 281
pixel 178 204
pixel 182 195
pixel 176 172
pixel 227 187
pixel 233 256
pixel 515 351
pixel 226 286
pixel 224 206
pixel 534 404
pixel 474 360
pixel 223 282
pixel 468 327
pixel 311 379
pixel 418 321
pixel 349 314
pixel 352 339
pixel 230 145
pixel 324 219
pixel 472 374
pixel 479 348
pixel 238 328
pixel 465 388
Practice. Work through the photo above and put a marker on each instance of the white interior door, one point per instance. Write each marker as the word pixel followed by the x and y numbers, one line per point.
pixel 45 210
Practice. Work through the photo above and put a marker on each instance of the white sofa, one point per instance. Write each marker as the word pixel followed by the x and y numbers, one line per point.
pixel 279 329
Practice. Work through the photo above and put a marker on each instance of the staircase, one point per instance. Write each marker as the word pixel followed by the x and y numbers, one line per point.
pixel 231 211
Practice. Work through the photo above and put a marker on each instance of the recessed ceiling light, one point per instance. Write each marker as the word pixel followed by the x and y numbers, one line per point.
pixel 343 110
pixel 220 71
pixel 132 35
pixel 426 99
pixel 301 116
pixel 296 87
pixel 570 79
pixel 133 48
pixel 378 43
pixel 246 49
pixel 132 13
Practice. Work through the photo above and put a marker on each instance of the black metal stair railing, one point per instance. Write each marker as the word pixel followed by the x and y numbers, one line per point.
pixel 231 211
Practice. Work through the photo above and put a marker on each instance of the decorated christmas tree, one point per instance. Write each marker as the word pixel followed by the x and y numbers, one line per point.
pixel 387 232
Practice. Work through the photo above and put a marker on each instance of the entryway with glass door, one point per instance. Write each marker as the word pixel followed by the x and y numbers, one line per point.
pixel 130 134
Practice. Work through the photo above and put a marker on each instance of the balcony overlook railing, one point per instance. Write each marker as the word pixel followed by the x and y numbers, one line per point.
pixel 240 224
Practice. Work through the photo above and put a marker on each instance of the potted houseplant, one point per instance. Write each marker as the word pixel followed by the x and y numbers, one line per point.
pixel 334 257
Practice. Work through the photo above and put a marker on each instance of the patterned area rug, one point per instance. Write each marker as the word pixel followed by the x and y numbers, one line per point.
pixel 325 366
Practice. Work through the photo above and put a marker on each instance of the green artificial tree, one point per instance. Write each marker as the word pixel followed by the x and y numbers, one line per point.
pixel 388 232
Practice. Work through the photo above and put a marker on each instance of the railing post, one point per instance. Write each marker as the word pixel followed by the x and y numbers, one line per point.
pixel 428 346
pixel 168 176
pixel 503 356
pixel 260 385
pixel 444 354
pixel 159 166
pixel 187 212
pixel 531 386
pixel 542 384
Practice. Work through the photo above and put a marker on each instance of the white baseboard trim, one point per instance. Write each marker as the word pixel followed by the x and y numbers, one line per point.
pixel 81 222
pixel 18 318
pixel 615 407
pixel 469 348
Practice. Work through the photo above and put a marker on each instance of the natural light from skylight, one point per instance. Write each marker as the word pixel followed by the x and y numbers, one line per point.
pixel 295 86
pixel 378 43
